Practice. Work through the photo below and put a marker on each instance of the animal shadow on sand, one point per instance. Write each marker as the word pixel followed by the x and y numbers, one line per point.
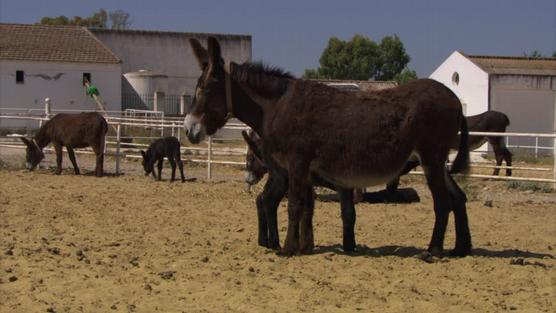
pixel 407 252
pixel 402 195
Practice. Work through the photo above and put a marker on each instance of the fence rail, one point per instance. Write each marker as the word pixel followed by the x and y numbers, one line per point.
pixel 174 124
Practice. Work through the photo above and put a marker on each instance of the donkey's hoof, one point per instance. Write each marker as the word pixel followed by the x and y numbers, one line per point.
pixel 460 252
pixel 307 249
pixel 286 252
pixel 436 251
pixel 349 248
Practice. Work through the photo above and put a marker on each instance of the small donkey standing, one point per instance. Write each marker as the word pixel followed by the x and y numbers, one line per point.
pixel 163 147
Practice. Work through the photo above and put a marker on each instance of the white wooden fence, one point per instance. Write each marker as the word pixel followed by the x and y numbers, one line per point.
pixel 174 125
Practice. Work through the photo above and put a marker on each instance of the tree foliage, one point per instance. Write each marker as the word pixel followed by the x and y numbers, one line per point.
pixel 361 58
pixel 405 76
pixel 118 19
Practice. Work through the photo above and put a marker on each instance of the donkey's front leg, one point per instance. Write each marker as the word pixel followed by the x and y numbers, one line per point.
pixel 299 237
pixel 267 208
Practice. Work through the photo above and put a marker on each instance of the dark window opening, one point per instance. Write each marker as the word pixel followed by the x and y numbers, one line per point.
pixel 19 77
pixel 86 78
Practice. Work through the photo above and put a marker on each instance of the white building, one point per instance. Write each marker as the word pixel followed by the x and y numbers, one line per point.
pixel 160 64
pixel 40 61
pixel 522 88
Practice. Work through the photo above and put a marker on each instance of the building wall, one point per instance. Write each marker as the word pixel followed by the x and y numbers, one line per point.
pixel 169 54
pixel 61 82
pixel 529 102
pixel 472 88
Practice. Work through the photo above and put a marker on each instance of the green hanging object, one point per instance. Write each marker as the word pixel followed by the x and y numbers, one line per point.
pixel 92 90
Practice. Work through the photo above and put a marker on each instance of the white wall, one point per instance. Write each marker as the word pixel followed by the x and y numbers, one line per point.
pixel 169 53
pixel 61 82
pixel 472 88
pixel 529 102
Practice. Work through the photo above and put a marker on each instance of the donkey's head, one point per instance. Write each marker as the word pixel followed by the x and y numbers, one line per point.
pixel 208 111
pixel 254 165
pixel 33 154
pixel 147 163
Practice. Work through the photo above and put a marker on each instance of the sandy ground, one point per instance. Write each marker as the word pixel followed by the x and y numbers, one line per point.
pixel 130 244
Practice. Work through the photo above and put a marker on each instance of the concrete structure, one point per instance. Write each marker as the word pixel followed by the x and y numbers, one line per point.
pixel 166 53
pixel 39 61
pixel 523 88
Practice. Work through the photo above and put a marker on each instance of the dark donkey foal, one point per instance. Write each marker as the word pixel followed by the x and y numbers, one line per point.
pixel 163 147
pixel 275 189
pixel 72 131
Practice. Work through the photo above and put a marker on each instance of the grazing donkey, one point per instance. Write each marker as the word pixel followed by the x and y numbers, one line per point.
pixel 353 140
pixel 168 147
pixel 72 131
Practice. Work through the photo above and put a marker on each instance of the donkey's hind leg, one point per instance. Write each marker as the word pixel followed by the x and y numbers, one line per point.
pixel 348 219
pixel 71 155
pixel 442 205
pixel 159 166
pixel 98 149
pixel 173 165
pixel 508 158
pixel 501 153
pixel 463 235
pixel 177 157
pixel 58 149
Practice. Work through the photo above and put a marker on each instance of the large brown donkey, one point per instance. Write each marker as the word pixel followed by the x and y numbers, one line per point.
pixel 72 131
pixel 352 140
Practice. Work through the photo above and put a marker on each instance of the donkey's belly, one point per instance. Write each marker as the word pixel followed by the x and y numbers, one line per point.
pixel 358 179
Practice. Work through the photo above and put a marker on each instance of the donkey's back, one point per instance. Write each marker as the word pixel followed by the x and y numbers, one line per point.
pixel 77 130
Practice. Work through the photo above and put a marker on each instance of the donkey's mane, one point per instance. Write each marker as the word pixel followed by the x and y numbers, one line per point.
pixel 265 79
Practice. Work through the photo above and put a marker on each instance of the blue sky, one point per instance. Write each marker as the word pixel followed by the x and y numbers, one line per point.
pixel 293 33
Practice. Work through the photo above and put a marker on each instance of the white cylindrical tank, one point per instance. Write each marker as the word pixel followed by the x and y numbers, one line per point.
pixel 146 82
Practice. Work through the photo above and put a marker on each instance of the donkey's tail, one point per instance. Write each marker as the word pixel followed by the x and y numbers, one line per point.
pixel 461 163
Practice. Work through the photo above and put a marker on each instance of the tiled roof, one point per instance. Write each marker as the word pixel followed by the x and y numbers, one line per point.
pixel 515 65
pixel 52 44
pixel 164 33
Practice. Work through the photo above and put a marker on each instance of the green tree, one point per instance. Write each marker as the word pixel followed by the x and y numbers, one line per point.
pixel 535 54
pixel 405 76
pixel 361 58
pixel 119 20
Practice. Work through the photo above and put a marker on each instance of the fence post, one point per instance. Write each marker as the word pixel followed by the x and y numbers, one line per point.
pixel 182 105
pixel 536 148
pixel 554 160
pixel 209 159
pixel 118 149
pixel 47 107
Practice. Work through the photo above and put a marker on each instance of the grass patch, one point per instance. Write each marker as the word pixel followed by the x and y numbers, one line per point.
pixel 525 186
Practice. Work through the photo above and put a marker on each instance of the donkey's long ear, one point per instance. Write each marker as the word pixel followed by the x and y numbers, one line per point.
pixel 252 145
pixel 214 52
pixel 26 141
pixel 200 53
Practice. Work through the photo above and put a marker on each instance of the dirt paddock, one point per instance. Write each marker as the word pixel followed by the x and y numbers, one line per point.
pixel 130 244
